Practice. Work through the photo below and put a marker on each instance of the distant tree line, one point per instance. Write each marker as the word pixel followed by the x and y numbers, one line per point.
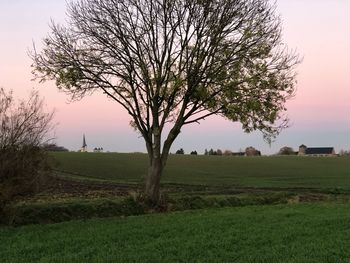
pixel 249 151
pixel 98 149
pixel 52 147
pixel 212 152
pixel 344 153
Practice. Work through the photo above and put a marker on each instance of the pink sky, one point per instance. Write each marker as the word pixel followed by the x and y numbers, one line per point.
pixel 317 29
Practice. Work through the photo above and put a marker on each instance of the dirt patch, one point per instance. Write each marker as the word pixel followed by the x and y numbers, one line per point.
pixel 58 188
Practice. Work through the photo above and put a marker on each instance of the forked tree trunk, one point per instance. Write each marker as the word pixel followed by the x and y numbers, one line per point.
pixel 157 162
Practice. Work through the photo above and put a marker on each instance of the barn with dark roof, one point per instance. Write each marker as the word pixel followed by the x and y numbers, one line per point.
pixel 316 151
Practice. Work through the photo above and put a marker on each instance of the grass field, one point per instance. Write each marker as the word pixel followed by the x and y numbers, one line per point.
pixel 282 233
pixel 315 231
pixel 276 172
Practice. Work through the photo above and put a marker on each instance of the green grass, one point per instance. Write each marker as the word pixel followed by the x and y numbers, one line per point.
pixel 65 210
pixel 289 233
pixel 279 172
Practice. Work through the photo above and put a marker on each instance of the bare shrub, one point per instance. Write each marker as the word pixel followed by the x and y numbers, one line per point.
pixel 24 126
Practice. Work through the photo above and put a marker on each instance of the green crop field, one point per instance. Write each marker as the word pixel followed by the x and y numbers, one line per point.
pixel 289 231
pixel 277 172
pixel 282 233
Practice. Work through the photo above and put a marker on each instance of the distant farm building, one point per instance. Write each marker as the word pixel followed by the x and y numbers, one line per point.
pixel 316 151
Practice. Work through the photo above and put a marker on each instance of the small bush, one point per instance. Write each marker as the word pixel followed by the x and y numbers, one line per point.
pixel 22 172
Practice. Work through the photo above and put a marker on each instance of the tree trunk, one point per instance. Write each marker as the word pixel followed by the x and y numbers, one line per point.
pixel 157 162
pixel 155 168
pixel 152 190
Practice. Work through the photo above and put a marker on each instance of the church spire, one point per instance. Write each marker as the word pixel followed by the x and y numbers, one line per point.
pixel 84 142
pixel 84 147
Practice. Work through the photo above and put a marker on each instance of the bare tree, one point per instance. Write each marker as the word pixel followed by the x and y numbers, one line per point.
pixel 173 63
pixel 24 126
pixel 24 123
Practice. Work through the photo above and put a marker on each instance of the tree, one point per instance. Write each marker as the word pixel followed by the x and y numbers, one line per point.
pixel 227 152
pixel 194 153
pixel 181 151
pixel 24 126
pixel 170 63
pixel 206 152
pixel 212 152
pixel 251 151
pixel 286 151
pixel 344 153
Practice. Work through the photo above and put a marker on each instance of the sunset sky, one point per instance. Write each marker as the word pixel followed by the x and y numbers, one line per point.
pixel 318 29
